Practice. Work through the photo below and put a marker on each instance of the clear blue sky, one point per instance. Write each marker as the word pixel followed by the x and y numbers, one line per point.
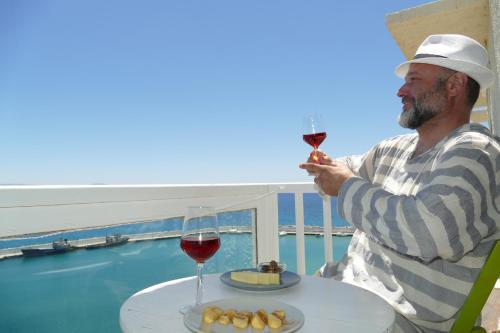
pixel 189 92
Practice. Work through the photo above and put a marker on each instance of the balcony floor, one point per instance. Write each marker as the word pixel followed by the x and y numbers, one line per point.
pixel 491 311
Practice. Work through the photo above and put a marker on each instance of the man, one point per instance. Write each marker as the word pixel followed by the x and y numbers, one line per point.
pixel 425 205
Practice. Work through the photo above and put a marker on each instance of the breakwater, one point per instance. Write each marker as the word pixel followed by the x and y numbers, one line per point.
pixel 83 243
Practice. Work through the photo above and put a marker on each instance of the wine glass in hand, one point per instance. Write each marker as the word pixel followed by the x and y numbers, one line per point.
pixel 200 240
pixel 314 134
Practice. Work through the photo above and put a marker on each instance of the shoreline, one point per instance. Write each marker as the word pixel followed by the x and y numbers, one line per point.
pixel 83 243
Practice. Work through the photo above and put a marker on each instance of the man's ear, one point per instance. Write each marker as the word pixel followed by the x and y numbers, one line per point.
pixel 457 84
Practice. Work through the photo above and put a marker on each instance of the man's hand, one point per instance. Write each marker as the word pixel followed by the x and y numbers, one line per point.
pixel 330 177
pixel 319 157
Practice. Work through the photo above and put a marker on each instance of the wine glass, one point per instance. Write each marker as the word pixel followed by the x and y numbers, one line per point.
pixel 313 133
pixel 200 240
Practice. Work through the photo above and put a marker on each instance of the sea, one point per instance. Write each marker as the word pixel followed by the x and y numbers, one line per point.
pixel 82 291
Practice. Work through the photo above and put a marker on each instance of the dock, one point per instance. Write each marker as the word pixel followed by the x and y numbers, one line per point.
pixel 83 243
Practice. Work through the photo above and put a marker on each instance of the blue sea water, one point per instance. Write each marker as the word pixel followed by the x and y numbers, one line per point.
pixel 82 291
pixel 313 210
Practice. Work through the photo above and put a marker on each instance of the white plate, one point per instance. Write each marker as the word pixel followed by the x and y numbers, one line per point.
pixel 287 279
pixel 193 318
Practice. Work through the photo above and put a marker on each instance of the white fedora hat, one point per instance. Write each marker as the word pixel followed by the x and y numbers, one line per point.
pixel 457 52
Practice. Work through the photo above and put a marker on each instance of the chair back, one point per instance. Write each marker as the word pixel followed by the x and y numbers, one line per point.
pixel 479 293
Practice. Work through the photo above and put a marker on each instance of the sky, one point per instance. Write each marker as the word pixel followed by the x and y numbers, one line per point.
pixel 190 92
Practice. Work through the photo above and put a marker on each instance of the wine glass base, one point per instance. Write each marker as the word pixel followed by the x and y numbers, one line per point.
pixel 185 309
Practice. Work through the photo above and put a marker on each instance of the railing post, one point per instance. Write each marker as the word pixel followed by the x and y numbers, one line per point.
pixel 267 236
pixel 327 227
pixel 299 232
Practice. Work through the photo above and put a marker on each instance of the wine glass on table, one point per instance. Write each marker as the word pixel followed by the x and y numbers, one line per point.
pixel 200 240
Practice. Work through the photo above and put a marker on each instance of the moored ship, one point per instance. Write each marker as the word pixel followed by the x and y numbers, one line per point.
pixel 59 246
pixel 112 240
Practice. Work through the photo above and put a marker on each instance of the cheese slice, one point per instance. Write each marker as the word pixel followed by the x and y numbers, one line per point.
pixel 256 277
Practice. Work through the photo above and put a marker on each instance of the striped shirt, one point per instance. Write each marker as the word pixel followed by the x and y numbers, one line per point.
pixel 425 224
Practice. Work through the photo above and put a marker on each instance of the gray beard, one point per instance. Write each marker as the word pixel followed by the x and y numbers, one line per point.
pixel 411 118
pixel 416 116
pixel 406 119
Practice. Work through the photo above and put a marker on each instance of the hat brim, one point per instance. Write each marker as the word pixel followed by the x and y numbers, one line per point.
pixel 483 75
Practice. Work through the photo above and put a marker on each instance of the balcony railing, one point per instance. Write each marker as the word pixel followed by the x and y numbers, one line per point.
pixel 39 209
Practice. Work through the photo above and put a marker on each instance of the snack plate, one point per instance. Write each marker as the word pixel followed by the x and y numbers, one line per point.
pixel 194 321
pixel 287 279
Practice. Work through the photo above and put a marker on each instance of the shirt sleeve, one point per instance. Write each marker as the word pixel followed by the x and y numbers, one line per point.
pixel 446 218
pixel 361 165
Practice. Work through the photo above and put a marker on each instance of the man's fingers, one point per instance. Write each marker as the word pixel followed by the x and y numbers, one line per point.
pixel 311 167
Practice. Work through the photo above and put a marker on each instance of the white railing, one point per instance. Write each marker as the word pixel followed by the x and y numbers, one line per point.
pixel 35 209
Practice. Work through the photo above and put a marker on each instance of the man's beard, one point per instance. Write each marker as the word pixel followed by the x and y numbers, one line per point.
pixel 424 107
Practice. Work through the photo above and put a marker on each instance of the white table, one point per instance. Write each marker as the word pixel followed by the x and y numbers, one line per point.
pixel 328 305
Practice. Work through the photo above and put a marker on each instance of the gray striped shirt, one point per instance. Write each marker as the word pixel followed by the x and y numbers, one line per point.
pixel 425 224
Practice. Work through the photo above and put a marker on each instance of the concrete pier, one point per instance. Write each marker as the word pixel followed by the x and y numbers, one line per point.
pixel 83 243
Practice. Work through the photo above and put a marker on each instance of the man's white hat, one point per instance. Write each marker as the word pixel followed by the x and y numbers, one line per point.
pixel 457 52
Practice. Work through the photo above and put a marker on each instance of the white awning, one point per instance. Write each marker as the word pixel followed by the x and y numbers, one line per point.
pixel 411 26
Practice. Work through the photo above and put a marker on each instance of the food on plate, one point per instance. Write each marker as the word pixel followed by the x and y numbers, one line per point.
pixel 258 323
pixel 240 321
pixel 272 267
pixel 262 314
pixel 248 314
pixel 273 321
pixel 211 314
pixel 280 314
pixel 224 319
pixel 243 319
pixel 230 313
pixel 256 277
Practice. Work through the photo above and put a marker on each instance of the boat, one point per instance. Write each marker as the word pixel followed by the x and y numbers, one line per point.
pixel 112 240
pixel 58 246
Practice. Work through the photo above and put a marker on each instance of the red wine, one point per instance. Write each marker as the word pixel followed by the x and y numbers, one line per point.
pixel 314 139
pixel 200 248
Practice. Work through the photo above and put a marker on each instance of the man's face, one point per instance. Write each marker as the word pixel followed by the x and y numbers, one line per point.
pixel 423 95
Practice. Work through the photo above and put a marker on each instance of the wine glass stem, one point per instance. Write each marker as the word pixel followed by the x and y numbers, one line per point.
pixel 199 283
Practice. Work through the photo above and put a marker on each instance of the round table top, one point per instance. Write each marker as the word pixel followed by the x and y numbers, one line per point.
pixel 328 305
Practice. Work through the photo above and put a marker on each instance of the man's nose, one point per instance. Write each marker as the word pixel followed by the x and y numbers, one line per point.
pixel 403 90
